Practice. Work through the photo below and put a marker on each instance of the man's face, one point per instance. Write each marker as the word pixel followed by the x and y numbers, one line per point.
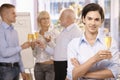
pixel 63 20
pixel 10 15
pixel 92 21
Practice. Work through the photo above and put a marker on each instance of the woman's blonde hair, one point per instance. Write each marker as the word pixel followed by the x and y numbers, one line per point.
pixel 40 16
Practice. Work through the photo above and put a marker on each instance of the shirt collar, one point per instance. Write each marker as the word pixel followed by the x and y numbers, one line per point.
pixel 70 27
pixel 6 26
pixel 98 38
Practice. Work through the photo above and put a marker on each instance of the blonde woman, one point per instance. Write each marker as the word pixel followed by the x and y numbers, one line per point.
pixel 44 68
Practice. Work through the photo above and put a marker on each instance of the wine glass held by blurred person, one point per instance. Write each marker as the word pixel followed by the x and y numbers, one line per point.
pixel 10 60
pixel 44 68
pixel 88 58
pixel 30 37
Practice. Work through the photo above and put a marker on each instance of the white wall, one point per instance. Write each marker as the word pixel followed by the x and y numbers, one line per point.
pixel 27 6
pixel 115 19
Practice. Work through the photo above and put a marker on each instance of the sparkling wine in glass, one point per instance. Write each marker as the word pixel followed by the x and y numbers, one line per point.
pixel 36 35
pixel 30 37
pixel 108 40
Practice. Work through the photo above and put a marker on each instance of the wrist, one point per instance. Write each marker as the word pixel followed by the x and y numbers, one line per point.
pixel 22 47
pixel 93 60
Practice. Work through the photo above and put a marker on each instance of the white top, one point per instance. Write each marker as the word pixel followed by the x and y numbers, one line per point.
pixel 60 50
pixel 80 49
pixel 40 54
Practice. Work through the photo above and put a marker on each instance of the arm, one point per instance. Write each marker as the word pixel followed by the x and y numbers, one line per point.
pixel 49 50
pixel 6 50
pixel 112 70
pixel 84 68
pixel 100 74
pixel 23 46
pixel 21 65
pixel 71 53
pixel 34 49
pixel 32 45
pixel 25 76
pixel 81 70
pixel 51 45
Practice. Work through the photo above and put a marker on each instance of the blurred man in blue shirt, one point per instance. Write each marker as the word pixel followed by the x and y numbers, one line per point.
pixel 10 60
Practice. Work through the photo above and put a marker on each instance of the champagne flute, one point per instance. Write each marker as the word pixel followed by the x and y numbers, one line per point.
pixel 30 37
pixel 36 35
pixel 108 40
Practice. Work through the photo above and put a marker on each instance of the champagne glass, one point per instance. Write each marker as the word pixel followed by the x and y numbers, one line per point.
pixel 36 35
pixel 30 37
pixel 108 40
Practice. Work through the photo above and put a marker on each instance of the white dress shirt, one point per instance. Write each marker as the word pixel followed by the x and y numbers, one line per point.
pixel 40 54
pixel 80 49
pixel 60 50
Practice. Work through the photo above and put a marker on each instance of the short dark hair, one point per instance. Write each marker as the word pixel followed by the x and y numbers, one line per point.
pixel 93 7
pixel 5 6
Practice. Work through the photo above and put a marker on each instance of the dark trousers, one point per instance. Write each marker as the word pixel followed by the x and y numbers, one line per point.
pixel 44 71
pixel 60 70
pixel 9 73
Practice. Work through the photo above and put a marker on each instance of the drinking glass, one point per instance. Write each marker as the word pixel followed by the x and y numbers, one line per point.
pixel 36 35
pixel 108 40
pixel 30 37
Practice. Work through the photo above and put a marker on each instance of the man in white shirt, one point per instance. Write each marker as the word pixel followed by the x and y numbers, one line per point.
pixel 88 58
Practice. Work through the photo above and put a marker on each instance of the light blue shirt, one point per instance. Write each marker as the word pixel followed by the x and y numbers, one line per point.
pixel 80 49
pixel 9 45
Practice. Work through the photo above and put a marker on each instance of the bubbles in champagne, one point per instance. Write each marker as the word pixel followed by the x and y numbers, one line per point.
pixel 108 41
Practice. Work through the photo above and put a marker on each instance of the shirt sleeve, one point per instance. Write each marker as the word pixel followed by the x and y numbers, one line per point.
pixel 53 33
pixel 51 45
pixel 5 50
pixel 115 60
pixel 71 53
pixel 21 65
pixel 115 66
pixel 49 50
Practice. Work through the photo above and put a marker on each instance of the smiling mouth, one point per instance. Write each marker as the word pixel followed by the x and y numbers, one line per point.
pixel 93 27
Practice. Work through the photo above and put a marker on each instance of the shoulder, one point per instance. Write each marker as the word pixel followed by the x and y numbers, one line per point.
pixel 74 42
pixel 1 29
pixel 1 32
pixel 77 28
pixel 77 32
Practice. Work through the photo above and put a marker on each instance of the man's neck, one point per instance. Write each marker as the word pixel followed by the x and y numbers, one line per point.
pixel 91 37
